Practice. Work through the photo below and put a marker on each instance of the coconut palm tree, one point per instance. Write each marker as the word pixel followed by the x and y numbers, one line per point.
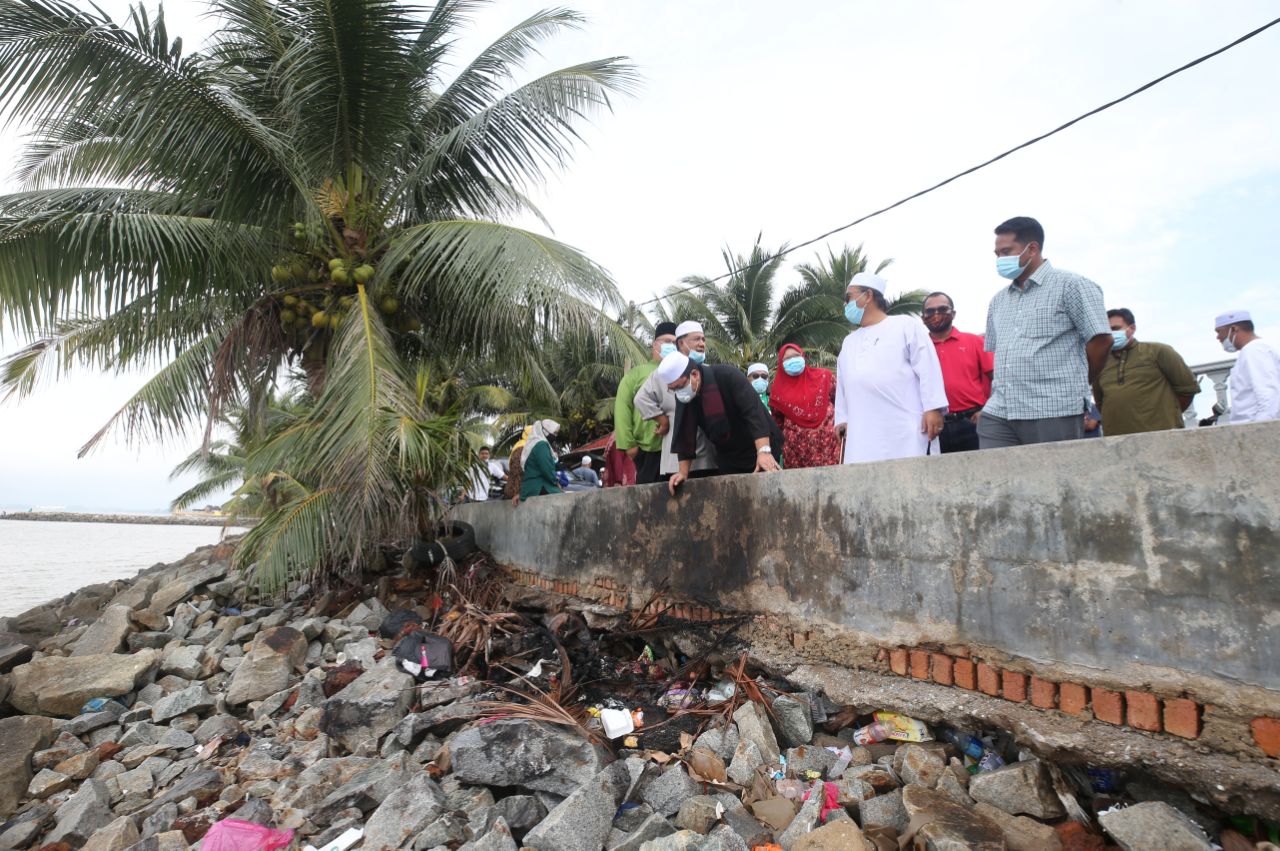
pixel 313 187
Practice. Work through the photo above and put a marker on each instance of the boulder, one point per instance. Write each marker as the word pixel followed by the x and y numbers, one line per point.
pixel 183 660
pixel 722 740
pixel 686 840
pixel 1153 826
pixel 922 766
pixel 404 814
pixel 371 706
pixel 496 838
pixel 117 836
pixel 13 653
pixel 807 820
pixel 841 835
pixel 795 720
pixel 530 754
pixel 48 782
pixel 884 811
pixel 33 624
pixel 945 825
pixel 520 812
pixel 268 666
pixel 753 726
pixel 581 821
pixel 810 758
pixel 1018 789
pixel 699 813
pixel 20 737
pixel 1021 833
pixel 746 759
pixel 170 595
pixel 748 828
pixel 191 699
pixel 653 826
pixel 106 634
pixel 60 685
pixel 83 814
pixel 668 790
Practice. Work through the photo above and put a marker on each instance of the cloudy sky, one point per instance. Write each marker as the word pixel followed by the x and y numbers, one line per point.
pixel 752 119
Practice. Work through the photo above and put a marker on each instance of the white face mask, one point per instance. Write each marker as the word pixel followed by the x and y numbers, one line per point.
pixel 1229 342
pixel 685 394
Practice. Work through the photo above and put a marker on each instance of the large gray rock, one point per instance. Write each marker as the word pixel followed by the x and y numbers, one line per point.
pixel 581 821
pixel 60 685
pixel 268 666
pixel 13 653
pixel 722 740
pixel 374 703
pixel 20 737
pixel 666 791
pixel 106 634
pixel 1153 826
pixel 807 820
pixel 1018 789
pixel 190 699
pixel 520 812
pixel 1021 833
pixel 699 813
pixel 530 754
pixel 948 825
pixel 795 720
pixel 170 595
pixel 686 840
pixel 183 660
pixel 746 759
pixel 922 766
pixel 837 835
pixel 753 726
pixel 404 814
pixel 496 838
pixel 884 811
pixel 117 836
pixel 84 813
pixel 654 826
pixel 367 789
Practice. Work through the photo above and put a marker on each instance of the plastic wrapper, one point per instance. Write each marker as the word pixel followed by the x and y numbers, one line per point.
pixel 236 835
pixel 903 728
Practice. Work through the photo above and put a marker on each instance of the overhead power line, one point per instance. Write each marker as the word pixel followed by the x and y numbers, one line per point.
pixel 1157 81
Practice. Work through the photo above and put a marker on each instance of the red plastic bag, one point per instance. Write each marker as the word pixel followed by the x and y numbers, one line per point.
pixel 236 835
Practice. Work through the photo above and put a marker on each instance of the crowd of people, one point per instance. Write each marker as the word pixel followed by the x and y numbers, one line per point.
pixel 1053 364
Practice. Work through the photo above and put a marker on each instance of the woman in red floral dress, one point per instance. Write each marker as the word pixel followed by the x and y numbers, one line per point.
pixel 803 402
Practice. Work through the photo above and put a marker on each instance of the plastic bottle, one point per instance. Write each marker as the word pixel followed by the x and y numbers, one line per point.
pixel 873 732
pixel 990 761
pixel 968 745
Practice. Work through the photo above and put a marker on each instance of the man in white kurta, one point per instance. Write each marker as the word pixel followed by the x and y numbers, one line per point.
pixel 1255 379
pixel 887 378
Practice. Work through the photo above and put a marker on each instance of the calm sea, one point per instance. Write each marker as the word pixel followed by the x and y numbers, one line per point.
pixel 42 560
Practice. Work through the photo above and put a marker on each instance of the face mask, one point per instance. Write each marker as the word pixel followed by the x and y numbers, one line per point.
pixel 793 366
pixel 667 348
pixel 1007 267
pixel 685 394
pixel 1119 340
pixel 854 313
pixel 760 384
pixel 1229 343
pixel 697 356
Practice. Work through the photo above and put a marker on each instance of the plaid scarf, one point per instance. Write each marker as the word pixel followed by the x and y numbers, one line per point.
pixel 714 422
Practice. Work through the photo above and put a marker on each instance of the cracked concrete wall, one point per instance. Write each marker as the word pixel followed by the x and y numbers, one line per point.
pixel 1143 554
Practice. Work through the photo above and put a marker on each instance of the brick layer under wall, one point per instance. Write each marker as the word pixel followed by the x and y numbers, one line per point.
pixel 957 668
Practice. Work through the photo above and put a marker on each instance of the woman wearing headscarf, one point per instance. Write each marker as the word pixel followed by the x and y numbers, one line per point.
pixel 803 403
pixel 515 471
pixel 538 462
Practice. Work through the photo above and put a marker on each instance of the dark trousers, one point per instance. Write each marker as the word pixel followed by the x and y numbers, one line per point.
pixel 959 435
pixel 997 432
pixel 648 466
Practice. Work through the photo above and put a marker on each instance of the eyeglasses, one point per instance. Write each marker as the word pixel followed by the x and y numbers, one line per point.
pixel 936 311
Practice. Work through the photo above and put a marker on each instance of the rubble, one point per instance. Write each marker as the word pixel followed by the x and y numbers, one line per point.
pixel 180 701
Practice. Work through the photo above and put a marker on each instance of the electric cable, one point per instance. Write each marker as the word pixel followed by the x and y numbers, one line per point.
pixel 1144 87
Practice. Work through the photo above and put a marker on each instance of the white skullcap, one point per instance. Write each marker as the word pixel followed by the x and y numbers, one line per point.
pixel 586 461
pixel 1231 317
pixel 757 367
pixel 868 281
pixel 688 327
pixel 672 367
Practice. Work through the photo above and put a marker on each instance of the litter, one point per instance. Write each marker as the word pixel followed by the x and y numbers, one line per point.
pixel 236 835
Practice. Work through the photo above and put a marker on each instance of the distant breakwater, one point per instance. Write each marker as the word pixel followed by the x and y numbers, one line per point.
pixel 145 519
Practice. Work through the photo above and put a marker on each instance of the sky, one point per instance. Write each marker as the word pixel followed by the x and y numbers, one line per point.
pixel 753 120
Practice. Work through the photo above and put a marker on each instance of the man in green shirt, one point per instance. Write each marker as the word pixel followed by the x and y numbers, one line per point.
pixel 1144 386
pixel 632 433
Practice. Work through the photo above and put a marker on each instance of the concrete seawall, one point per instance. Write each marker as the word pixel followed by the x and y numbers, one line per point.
pixel 1144 567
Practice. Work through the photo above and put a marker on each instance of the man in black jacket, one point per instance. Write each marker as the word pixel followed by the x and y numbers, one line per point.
pixel 719 400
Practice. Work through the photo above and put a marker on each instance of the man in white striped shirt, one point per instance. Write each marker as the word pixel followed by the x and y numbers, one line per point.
pixel 1049 331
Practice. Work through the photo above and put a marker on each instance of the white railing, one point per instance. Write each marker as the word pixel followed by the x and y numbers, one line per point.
pixel 1218 372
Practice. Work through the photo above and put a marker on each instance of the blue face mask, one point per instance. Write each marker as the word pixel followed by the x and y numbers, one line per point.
pixel 1119 340
pixel 685 394
pixel 793 366
pixel 1007 267
pixel 667 348
pixel 697 356
pixel 854 313
pixel 760 384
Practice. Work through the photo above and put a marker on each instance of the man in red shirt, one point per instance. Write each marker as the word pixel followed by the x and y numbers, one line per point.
pixel 966 374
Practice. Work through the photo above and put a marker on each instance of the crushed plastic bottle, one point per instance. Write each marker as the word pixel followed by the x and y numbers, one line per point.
pixel 873 732
pixel 722 691
pixel 844 756
pixel 968 745
pixel 990 762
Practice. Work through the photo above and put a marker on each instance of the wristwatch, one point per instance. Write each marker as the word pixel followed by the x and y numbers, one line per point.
pixel 764 450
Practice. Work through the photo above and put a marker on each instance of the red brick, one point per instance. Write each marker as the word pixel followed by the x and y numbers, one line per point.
pixel 1015 686
pixel 920 664
pixel 942 669
pixel 964 672
pixel 1107 705
pixel 882 655
pixel 988 679
pixel 1266 732
pixel 1044 693
pixel 1182 717
pixel 1143 710
pixel 1072 698
pixel 898 661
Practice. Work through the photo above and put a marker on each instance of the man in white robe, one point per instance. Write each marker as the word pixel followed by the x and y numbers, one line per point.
pixel 1255 379
pixel 890 399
